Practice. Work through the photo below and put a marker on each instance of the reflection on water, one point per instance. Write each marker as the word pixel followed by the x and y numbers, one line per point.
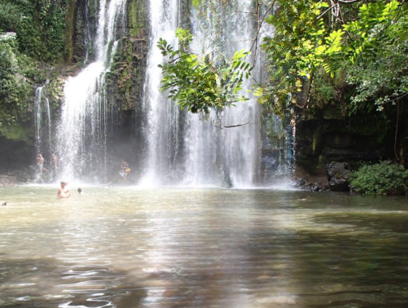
pixel 127 248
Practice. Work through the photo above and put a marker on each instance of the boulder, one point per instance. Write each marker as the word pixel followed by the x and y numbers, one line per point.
pixel 338 174
pixel 7 180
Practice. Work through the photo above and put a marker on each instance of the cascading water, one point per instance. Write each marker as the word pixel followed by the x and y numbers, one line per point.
pixel 176 147
pixel 220 29
pixel 38 116
pixel 161 114
pixel 82 133
pixel 210 154
pixel 43 127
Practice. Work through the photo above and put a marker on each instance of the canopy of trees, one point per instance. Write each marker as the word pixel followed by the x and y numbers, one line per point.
pixel 348 52
pixel 320 48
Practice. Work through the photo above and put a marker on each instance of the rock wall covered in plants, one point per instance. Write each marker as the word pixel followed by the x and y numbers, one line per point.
pixel 325 137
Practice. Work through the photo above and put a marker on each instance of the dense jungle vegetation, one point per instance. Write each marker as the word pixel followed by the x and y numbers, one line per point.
pixel 351 53
pixel 32 33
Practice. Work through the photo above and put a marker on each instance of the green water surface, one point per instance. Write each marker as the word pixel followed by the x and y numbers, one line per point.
pixel 168 247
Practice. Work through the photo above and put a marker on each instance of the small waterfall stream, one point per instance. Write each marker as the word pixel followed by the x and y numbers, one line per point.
pixel 38 116
pixel 43 123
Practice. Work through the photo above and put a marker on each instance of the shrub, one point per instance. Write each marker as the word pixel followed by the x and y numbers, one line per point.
pixel 384 178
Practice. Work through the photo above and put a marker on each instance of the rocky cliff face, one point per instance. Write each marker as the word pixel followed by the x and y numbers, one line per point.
pixel 15 155
pixel 125 82
pixel 325 137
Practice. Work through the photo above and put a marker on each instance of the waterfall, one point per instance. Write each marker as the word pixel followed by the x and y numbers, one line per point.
pixel 48 110
pixel 83 129
pixel 174 147
pixel 191 149
pixel 162 114
pixel 221 28
pixel 37 118
pixel 87 31
pixel 43 127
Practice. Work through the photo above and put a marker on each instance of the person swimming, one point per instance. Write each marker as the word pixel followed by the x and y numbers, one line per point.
pixel 64 191
pixel 80 190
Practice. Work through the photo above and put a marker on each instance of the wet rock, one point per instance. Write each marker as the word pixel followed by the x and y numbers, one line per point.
pixel 317 186
pixel 339 174
pixel 300 182
pixel 339 140
pixel 19 176
pixel 16 154
pixel 7 180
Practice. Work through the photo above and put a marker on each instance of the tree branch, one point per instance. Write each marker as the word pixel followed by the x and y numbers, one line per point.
pixel 237 125
pixel 348 1
pixel 260 22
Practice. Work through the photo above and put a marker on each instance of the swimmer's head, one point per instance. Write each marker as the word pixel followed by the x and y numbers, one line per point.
pixel 79 190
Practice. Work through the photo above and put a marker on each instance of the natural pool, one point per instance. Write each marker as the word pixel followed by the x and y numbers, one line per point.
pixel 168 247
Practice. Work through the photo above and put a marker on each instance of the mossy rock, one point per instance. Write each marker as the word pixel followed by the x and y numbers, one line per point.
pixel 17 132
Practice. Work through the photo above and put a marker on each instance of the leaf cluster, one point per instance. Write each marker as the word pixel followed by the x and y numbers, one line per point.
pixel 379 53
pixel 384 178
pixel 200 83
pixel 295 49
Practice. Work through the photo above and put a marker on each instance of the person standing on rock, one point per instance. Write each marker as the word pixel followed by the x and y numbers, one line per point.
pixel 40 163
pixel 122 171
pixel 54 161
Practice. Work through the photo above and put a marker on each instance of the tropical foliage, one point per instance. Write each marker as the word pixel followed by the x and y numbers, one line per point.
pixel 383 178
pixel 201 83
pixel 39 24
pixel 295 50
pixel 363 45
pixel 14 89
pixel 31 31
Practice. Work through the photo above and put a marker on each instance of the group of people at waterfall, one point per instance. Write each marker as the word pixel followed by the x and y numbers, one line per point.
pixel 64 192
pixel 123 171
